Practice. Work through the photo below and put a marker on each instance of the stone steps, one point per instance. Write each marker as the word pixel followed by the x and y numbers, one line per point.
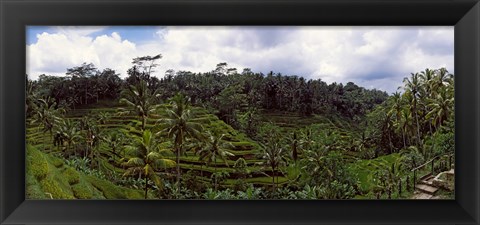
pixel 421 195
pixel 427 180
pixel 427 189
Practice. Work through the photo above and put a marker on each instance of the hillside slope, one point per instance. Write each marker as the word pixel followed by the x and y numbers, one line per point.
pixel 48 177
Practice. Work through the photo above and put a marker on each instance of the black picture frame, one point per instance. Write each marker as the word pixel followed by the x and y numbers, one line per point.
pixel 17 14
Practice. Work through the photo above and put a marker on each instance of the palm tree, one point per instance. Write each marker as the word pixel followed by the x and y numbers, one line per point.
pixel 48 115
pixel 405 124
pixel 440 108
pixel 442 78
pixel 216 148
pixel 315 160
pixel 273 156
pixel 69 133
pixel 114 141
pixel 140 100
pixel 413 86
pixel 427 78
pixel 180 125
pixel 145 156
pixel 306 140
pixel 397 109
pixel 388 176
pixel 103 117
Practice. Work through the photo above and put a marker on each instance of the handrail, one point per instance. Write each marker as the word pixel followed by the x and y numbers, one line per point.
pixel 421 166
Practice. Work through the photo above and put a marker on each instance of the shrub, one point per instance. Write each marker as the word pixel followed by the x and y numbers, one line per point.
pixel 71 175
pixel 37 165
pixel 53 188
pixel 82 191
pixel 56 162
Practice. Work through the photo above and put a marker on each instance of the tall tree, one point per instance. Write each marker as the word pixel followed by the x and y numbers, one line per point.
pixel 441 106
pixel 216 149
pixel 47 115
pixel 69 133
pixel 140 100
pixel 273 156
pixel 145 156
pixel 396 109
pixel 413 86
pixel 180 124
pixel 81 74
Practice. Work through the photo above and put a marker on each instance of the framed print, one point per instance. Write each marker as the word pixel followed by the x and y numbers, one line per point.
pixel 239 112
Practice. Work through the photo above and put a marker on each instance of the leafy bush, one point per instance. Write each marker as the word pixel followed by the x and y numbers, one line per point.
pixel 82 191
pixel 251 193
pixel 56 190
pixel 36 163
pixel 412 157
pixel 71 175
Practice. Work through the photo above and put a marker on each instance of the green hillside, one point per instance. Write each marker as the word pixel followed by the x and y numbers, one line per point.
pixel 48 177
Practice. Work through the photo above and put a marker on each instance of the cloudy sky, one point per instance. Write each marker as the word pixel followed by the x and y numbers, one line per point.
pixel 373 57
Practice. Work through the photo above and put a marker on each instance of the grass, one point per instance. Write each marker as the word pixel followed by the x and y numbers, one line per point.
pixel 47 178
pixel 365 169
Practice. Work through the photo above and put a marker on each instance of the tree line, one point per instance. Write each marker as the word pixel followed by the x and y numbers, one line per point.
pixel 223 90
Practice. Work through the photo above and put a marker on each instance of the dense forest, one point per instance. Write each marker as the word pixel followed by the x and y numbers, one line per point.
pixel 226 134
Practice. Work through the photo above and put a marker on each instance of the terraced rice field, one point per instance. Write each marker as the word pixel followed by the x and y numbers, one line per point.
pixel 243 147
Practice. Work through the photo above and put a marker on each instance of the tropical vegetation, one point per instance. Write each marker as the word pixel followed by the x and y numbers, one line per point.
pixel 226 134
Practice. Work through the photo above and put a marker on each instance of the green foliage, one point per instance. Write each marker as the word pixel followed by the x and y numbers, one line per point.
pixel 295 138
pixel 36 164
pixel 111 191
pixel 33 188
pixel 65 182
pixel 71 175
pixel 55 189
pixel 444 143
pixel 250 193
pixel 412 157
pixel 83 190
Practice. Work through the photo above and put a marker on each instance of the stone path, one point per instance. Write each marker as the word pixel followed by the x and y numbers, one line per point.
pixel 425 189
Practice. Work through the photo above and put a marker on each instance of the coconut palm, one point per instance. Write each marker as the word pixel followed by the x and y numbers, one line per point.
pixel 397 109
pixel 103 117
pixel 140 100
pixel 413 86
pixel 441 107
pixel 427 79
pixel 69 133
pixel 406 126
pixel 180 125
pixel 114 141
pixel 145 157
pixel 273 156
pixel 442 78
pixel 216 148
pixel 315 162
pixel 47 115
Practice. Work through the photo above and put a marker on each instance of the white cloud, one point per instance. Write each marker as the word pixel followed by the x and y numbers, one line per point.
pixel 371 56
pixel 54 53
